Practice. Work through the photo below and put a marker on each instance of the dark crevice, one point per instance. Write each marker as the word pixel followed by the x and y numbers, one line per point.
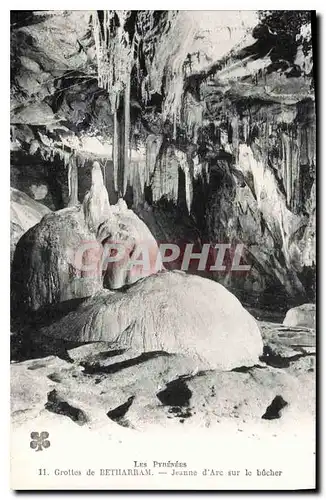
pixel 118 413
pixel 90 369
pixel 246 369
pixel 180 412
pixel 36 366
pixel 273 410
pixel 24 346
pixel 56 404
pixel 108 354
pixel 277 361
pixel 176 394
pixel 55 377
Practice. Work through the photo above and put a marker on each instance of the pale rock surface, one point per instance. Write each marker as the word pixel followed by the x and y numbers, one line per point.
pixel 63 258
pixel 99 391
pixel 138 253
pixel 304 315
pixel 96 203
pixel 172 312
pixel 47 266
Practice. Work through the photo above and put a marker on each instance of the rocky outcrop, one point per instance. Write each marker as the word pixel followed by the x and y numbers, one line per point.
pixel 171 312
pixel 24 214
pixel 300 316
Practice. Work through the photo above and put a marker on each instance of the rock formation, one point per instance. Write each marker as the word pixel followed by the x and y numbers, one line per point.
pixel 138 254
pixel 68 254
pixel 171 312
pixel 24 214
pixel 176 138
pixel 52 261
pixel 182 126
pixel 166 392
pixel 301 316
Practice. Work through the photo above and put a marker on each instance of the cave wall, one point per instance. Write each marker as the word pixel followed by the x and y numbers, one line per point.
pixel 252 181
pixel 273 211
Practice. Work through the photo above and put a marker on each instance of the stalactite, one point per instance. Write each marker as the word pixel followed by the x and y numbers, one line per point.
pixel 105 174
pixel 168 64
pixel 137 181
pixel 115 59
pixel 235 136
pixel 165 178
pixel 73 182
pixel 191 117
pixel 289 172
pixel 286 167
pixel 264 139
pixel 99 55
pixel 311 149
pixel 295 195
pixel 304 144
pixel 246 128
pixel 184 165
pixel 115 150
pixel 189 189
pixel 126 134
pixel 283 161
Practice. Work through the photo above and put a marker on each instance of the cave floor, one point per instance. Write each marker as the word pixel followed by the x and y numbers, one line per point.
pixel 96 388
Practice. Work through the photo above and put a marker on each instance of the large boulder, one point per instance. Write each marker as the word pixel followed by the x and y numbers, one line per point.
pixel 304 315
pixel 24 214
pixel 171 312
pixel 63 257
pixel 47 263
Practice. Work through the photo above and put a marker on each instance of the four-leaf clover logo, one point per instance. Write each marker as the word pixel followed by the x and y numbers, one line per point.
pixel 39 440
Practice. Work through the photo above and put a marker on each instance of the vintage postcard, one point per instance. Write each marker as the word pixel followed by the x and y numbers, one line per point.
pixel 163 250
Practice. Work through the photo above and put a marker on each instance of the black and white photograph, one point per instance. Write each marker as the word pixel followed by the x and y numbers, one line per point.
pixel 163 249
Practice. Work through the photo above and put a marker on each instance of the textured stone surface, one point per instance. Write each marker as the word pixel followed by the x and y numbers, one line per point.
pixel 63 258
pixel 24 214
pixel 188 128
pixel 46 267
pixel 125 230
pixel 304 315
pixel 99 387
pixel 172 312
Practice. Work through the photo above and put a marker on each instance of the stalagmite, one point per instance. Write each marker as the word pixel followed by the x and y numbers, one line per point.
pixel 96 203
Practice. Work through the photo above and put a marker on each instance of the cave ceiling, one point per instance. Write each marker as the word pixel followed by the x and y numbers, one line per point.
pixel 179 61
